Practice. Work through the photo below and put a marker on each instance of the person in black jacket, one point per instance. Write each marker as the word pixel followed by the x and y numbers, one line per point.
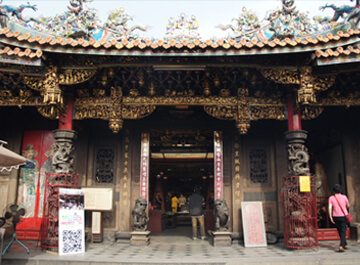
pixel 197 213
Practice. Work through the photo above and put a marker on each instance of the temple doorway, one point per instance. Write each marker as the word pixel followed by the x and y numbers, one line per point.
pixel 179 161
pixel 326 145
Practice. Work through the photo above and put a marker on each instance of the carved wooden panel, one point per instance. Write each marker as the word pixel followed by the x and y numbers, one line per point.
pixel 104 165
pixel 258 165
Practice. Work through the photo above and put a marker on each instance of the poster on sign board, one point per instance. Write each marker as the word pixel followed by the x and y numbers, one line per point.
pixel 71 221
pixel 253 224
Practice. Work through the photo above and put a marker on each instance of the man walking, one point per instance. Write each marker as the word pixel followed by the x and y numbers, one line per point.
pixel 197 213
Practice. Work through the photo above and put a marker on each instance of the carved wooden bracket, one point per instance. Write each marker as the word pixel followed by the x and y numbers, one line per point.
pixel 75 76
pixel 49 86
pixel 111 108
pixel 243 111
pixel 245 108
pixel 116 121
pixel 309 84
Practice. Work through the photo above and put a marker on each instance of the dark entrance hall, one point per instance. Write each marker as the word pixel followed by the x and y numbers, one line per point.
pixel 180 160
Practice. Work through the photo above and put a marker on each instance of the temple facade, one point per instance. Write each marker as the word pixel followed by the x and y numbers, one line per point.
pixel 144 117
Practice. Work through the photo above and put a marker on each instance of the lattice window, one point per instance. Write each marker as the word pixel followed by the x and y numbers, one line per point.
pixel 104 169
pixel 259 172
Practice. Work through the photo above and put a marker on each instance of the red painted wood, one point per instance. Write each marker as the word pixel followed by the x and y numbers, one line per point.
pixel 294 119
pixel 330 234
pixel 66 119
pixel 37 147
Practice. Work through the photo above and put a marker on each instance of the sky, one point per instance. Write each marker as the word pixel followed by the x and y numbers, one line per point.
pixel 155 14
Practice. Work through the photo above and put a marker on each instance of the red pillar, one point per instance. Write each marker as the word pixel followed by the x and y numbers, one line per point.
pixel 294 119
pixel 66 119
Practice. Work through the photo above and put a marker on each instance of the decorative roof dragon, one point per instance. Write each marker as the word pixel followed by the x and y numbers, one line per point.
pixel 77 22
pixel 82 22
pixel 277 24
pixel 7 12
pixel 348 13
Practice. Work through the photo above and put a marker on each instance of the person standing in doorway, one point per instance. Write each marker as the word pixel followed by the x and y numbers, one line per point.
pixel 197 213
pixel 338 209
pixel 174 203
pixel 158 201
pixel 182 202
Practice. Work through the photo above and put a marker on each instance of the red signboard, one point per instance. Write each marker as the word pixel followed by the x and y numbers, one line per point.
pixel 218 165
pixel 144 167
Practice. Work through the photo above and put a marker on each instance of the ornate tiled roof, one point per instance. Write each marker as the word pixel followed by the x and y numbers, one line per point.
pixel 43 42
pixel 282 31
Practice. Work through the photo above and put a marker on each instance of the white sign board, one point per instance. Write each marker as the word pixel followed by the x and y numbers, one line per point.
pixel 71 221
pixel 253 224
pixel 98 199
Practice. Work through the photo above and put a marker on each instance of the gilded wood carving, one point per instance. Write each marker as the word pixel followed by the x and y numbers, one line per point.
pixel 309 85
pixel 116 94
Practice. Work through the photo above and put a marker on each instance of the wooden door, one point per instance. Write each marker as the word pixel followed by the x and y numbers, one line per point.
pixel 38 146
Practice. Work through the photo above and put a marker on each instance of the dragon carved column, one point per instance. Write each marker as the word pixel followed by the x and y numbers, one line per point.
pixel 63 159
pixel 298 156
pixel 307 88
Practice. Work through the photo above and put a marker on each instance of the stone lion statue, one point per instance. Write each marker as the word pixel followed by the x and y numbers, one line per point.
pixel 222 217
pixel 140 220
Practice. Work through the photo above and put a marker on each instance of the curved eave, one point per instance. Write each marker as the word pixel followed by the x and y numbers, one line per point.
pixel 20 56
pixel 208 48
pixel 340 55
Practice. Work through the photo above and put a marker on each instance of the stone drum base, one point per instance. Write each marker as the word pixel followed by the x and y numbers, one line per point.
pixel 140 238
pixel 221 238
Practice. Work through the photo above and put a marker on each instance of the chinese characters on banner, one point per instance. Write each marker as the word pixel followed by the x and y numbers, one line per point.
pixel 218 165
pixel 144 167
pixel 71 221
pixel 236 180
pixel 125 177
pixel 253 224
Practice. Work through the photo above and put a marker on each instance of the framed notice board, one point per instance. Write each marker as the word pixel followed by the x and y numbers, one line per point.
pixel 98 199
pixel 253 224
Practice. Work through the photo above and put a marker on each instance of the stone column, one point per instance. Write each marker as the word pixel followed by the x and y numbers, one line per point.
pixel 298 155
pixel 63 159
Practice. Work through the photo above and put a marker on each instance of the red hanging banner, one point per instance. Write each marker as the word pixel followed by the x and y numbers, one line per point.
pixel 144 167
pixel 218 164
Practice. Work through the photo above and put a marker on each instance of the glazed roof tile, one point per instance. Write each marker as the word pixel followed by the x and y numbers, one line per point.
pixel 352 49
pixel 26 40
pixel 21 52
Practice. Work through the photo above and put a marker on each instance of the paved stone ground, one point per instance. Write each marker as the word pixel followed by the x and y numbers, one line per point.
pixel 175 246
pixel 182 250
